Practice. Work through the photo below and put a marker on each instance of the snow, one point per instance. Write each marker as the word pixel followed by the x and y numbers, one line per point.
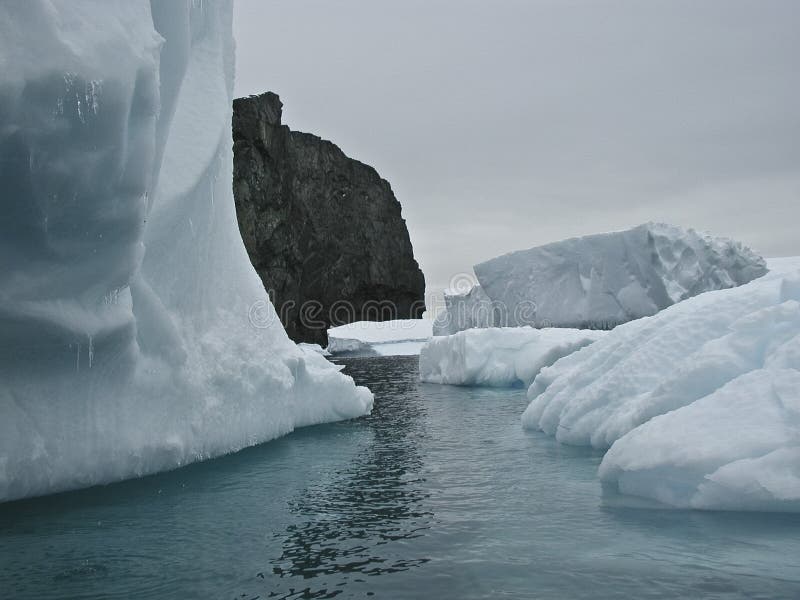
pixel 699 404
pixel 602 280
pixel 500 357
pixel 135 336
pixel 399 337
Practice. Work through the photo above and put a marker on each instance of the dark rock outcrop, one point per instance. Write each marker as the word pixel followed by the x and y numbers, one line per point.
pixel 324 231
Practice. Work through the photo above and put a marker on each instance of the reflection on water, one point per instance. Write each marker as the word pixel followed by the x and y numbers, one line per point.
pixel 439 493
pixel 378 498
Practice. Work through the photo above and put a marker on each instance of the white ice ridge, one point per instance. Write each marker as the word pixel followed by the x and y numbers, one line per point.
pixel 599 281
pixel 399 337
pixel 500 356
pixel 135 336
pixel 700 404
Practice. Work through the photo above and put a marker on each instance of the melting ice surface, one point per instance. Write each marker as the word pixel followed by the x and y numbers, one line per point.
pixel 438 493
pixel 134 334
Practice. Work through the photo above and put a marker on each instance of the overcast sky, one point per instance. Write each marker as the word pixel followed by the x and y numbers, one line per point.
pixel 503 125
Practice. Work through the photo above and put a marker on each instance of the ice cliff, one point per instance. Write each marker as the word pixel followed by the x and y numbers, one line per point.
pixel 135 336
pixel 599 281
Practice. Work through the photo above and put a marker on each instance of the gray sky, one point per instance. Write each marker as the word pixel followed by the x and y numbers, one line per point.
pixel 503 125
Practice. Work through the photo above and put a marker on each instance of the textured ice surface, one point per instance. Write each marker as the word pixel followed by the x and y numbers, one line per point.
pixel 400 337
pixel 464 311
pixel 600 281
pixel 134 334
pixel 699 403
pixel 502 357
pixel 737 448
pixel 313 348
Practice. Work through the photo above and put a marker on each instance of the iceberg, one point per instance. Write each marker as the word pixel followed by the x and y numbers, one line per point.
pixel 135 336
pixel 500 356
pixel 465 310
pixel 699 404
pixel 398 337
pixel 599 281
pixel 736 449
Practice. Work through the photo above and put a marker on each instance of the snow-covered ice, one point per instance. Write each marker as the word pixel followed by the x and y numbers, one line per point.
pixel 599 281
pixel 498 356
pixel 135 336
pixel 399 337
pixel 700 403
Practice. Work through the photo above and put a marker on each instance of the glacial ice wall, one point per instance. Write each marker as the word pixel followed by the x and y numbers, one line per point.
pixel 135 336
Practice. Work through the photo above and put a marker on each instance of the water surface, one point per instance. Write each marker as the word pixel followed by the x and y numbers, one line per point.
pixel 439 493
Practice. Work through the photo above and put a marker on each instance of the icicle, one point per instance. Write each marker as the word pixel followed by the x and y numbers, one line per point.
pixel 88 96
pixel 91 350
pixel 80 112
pixel 93 89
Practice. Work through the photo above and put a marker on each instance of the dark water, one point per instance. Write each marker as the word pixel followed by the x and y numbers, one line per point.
pixel 439 493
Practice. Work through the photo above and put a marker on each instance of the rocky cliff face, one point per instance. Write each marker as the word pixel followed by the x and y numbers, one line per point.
pixel 324 231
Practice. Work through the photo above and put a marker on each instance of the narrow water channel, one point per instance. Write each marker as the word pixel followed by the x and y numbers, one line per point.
pixel 439 493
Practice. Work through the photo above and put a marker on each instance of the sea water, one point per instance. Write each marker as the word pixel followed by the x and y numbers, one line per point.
pixel 439 493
